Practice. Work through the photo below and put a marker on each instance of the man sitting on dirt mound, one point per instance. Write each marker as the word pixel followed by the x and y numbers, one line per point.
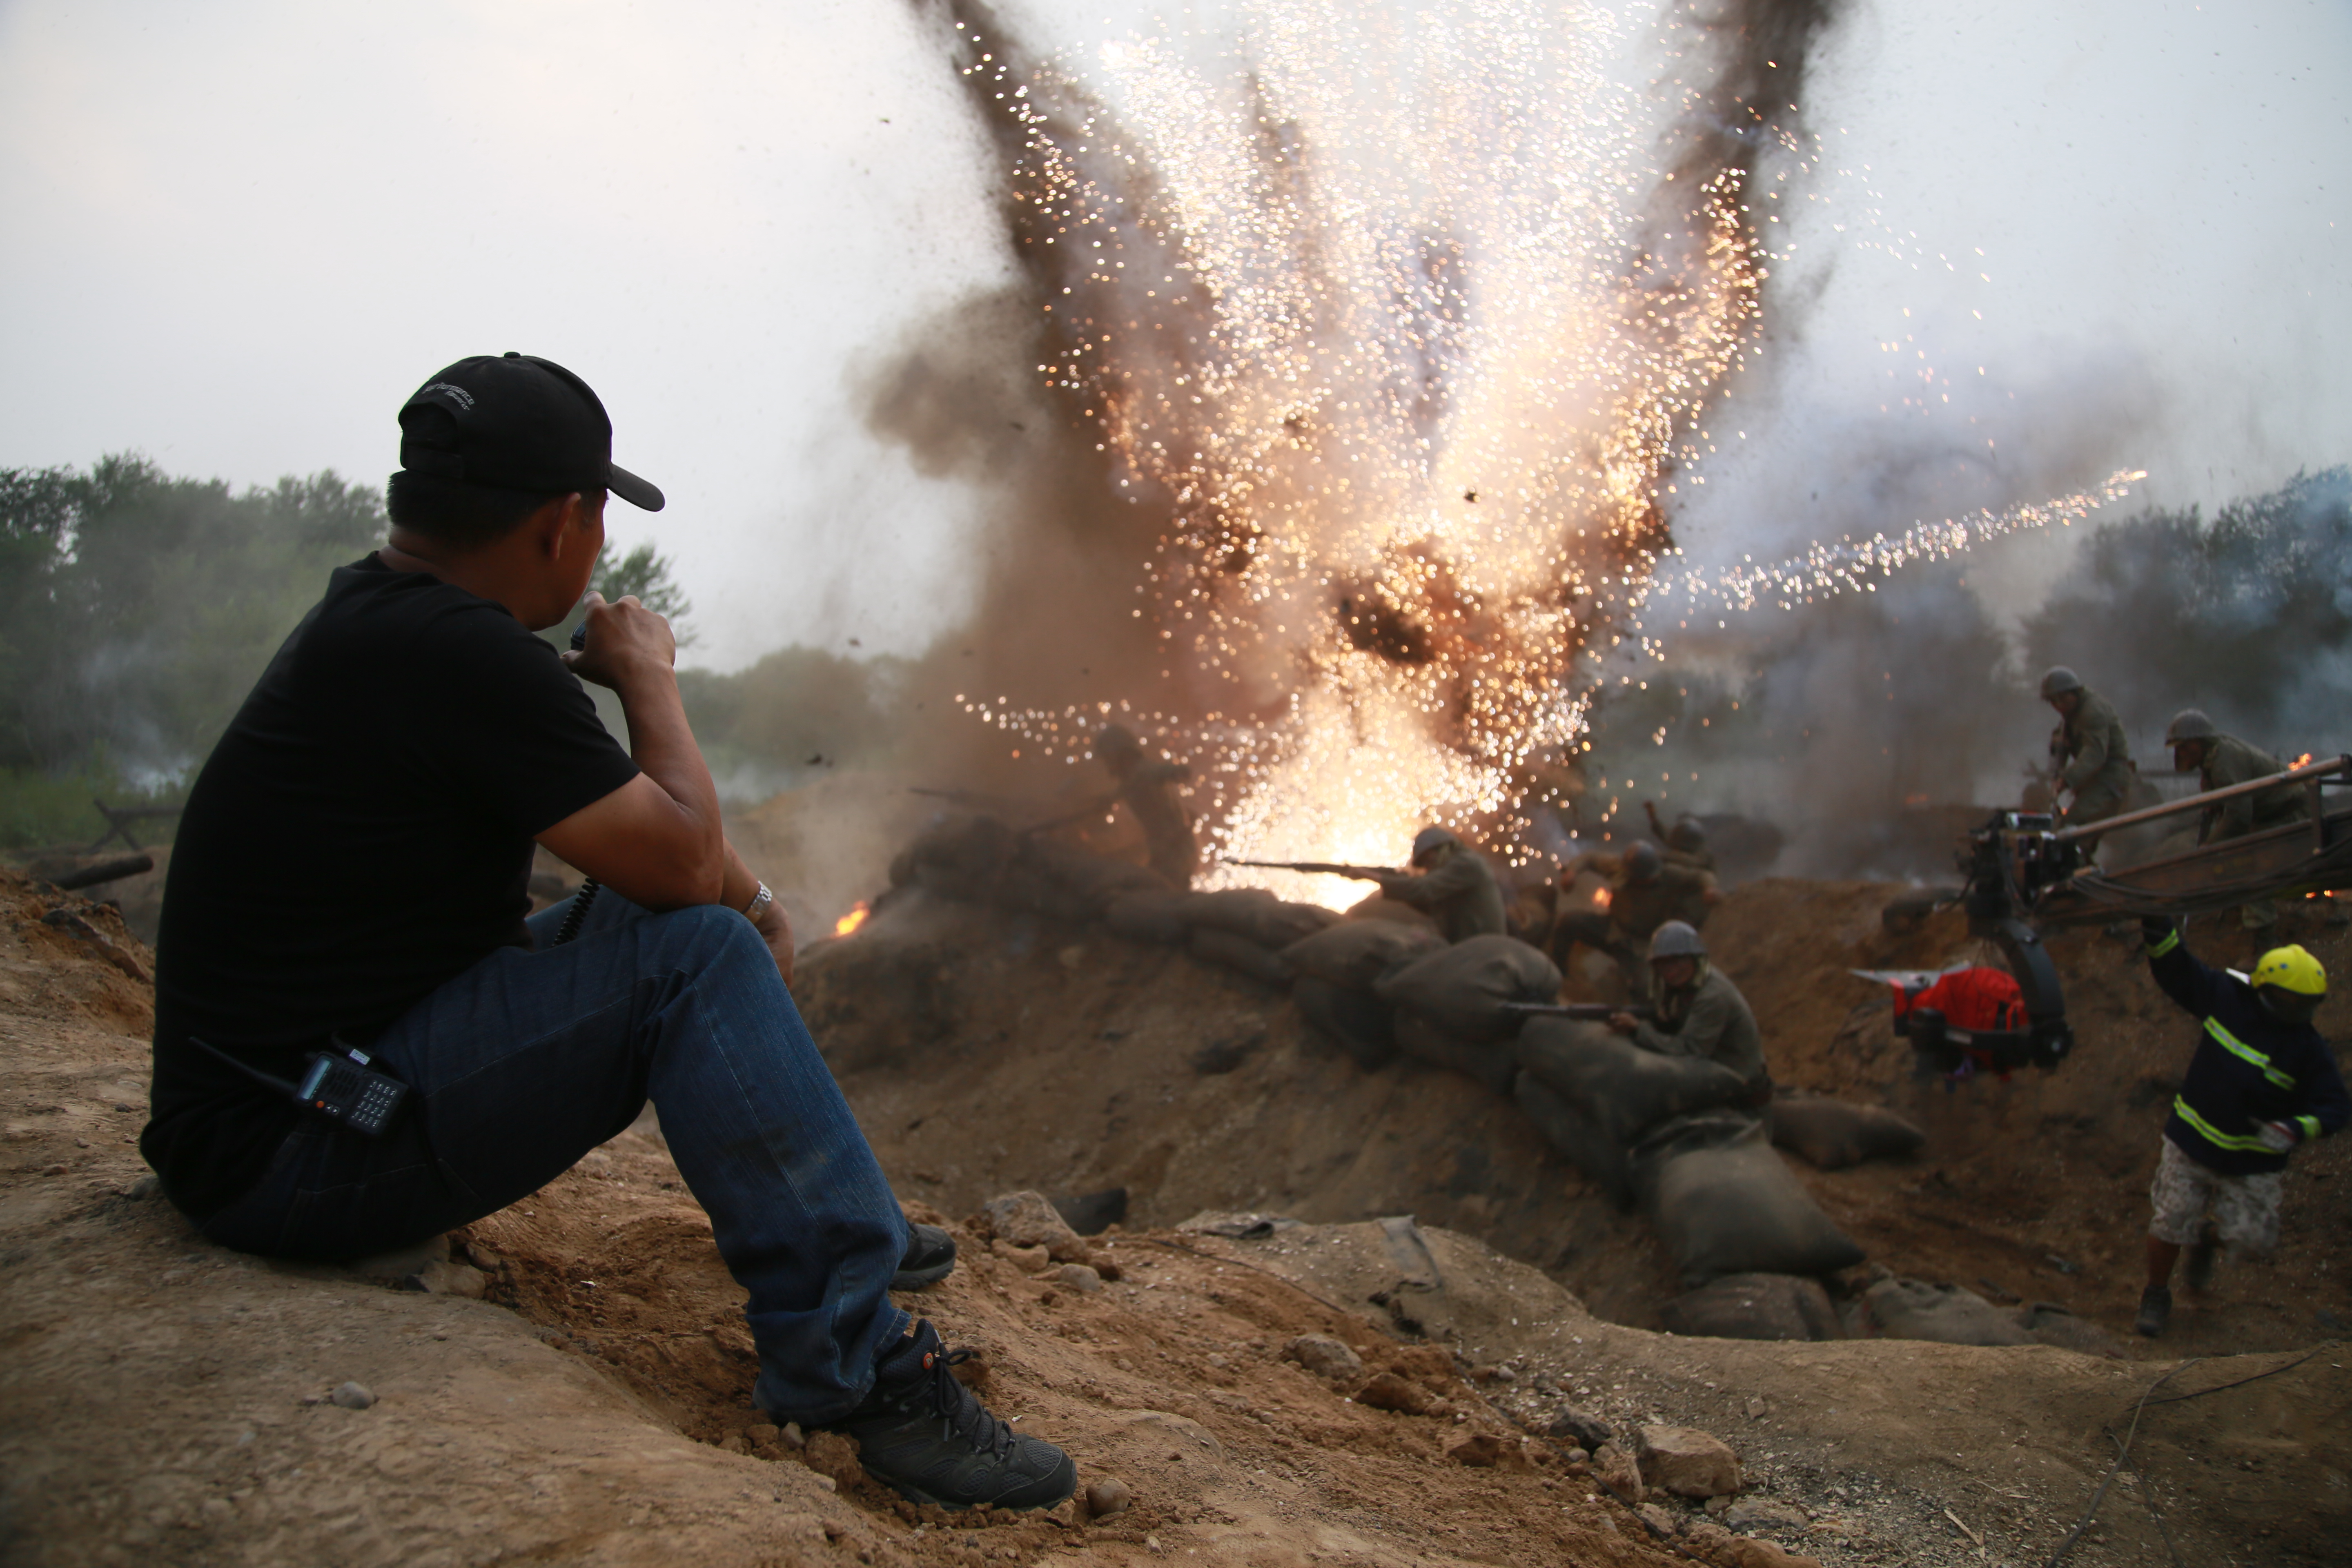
pixel 2262 1082
pixel 1698 1012
pixel 350 873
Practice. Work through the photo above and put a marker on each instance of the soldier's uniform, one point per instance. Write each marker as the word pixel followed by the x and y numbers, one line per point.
pixel 2223 761
pixel 1709 1019
pixel 1147 789
pixel 2094 759
pixel 1458 891
pixel 2230 761
pixel 1636 908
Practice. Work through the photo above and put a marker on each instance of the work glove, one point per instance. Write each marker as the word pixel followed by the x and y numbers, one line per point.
pixel 2278 1137
pixel 2155 929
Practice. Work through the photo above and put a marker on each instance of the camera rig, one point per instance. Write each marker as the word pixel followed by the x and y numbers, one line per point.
pixel 2026 874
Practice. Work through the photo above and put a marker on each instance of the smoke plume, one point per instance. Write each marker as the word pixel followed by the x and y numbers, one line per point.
pixel 1345 391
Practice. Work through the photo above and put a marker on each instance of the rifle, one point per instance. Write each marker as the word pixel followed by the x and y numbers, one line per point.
pixel 1590 1012
pixel 1324 869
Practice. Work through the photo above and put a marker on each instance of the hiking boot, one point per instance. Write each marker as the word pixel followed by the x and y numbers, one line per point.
pixel 2197 1267
pixel 931 1257
pixel 922 1434
pixel 2155 1311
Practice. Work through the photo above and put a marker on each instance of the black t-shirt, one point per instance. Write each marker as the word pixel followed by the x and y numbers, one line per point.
pixel 361 834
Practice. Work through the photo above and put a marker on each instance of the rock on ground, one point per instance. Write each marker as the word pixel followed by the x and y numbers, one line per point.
pixel 1685 1462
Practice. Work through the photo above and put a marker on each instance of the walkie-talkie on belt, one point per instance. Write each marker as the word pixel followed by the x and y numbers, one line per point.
pixel 341 1085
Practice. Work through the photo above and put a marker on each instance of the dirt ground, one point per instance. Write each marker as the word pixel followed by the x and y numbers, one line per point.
pixel 164 1400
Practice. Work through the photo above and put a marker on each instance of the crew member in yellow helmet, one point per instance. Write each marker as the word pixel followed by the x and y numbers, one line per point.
pixel 2262 1082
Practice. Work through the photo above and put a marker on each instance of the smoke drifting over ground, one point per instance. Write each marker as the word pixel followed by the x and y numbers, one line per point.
pixel 1857 722
pixel 1344 392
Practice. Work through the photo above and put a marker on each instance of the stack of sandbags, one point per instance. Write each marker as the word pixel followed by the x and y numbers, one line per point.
pixel 1245 928
pixel 1338 969
pixel 1592 1094
pixel 1834 1134
pixel 979 860
pixel 1453 1006
pixel 1724 1203
pixel 1755 1307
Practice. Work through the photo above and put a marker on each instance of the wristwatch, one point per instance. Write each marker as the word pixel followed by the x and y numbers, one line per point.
pixel 760 901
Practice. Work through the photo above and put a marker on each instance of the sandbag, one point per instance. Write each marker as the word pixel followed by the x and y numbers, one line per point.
pixel 1621 1089
pixel 1914 1310
pixel 1488 1063
pixel 1724 1203
pixel 1254 913
pixel 1148 917
pixel 1380 907
pixel 1755 1307
pixel 1093 880
pixel 961 858
pixel 1461 990
pixel 1238 953
pixel 1358 953
pixel 1591 1148
pixel 1356 1021
pixel 1834 1134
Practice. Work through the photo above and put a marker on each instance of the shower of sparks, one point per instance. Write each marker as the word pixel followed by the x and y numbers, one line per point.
pixel 1826 570
pixel 1405 333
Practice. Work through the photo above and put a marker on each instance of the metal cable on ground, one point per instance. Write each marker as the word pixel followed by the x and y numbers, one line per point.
pixel 2241 1383
pixel 2122 1452
pixel 2148 1496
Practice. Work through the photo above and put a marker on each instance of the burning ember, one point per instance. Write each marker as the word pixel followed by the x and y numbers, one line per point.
pixel 1600 899
pixel 853 920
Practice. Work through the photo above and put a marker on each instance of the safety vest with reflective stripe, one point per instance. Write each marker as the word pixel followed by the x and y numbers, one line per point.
pixel 2246 1053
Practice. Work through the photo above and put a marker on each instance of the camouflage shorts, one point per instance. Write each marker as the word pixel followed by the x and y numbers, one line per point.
pixel 2245 1209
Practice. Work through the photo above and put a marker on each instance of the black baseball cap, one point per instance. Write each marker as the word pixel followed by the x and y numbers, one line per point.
pixel 516 422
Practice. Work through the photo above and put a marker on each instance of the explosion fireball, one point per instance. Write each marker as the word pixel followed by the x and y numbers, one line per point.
pixel 1408 336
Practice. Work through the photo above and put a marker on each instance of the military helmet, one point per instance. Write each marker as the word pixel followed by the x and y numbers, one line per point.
pixel 2058 681
pixel 2290 984
pixel 1676 938
pixel 1687 835
pixel 1117 741
pixel 1429 841
pixel 2189 724
pixel 1641 862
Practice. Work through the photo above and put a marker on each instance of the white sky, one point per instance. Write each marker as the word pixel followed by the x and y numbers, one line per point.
pixel 239 234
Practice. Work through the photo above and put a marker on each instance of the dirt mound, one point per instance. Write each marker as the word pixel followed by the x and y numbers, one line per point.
pixel 985 1050
pixel 167 1400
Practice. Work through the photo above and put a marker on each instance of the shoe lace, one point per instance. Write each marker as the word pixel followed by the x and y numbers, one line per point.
pixel 966 1417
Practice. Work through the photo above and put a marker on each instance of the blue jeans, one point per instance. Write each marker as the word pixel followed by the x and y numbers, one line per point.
pixel 530 1058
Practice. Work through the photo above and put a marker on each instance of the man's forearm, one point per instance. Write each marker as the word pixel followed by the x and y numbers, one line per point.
pixel 661 744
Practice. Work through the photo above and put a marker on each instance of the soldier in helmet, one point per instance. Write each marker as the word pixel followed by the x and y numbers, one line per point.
pixel 1645 891
pixel 1147 789
pixel 1451 884
pixel 1686 841
pixel 2221 761
pixel 1698 1011
pixel 2088 752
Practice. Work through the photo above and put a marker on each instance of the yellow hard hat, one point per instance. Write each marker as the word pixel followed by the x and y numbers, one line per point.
pixel 2292 968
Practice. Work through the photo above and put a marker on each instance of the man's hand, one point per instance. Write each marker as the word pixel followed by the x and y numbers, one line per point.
pixel 1623 1023
pixel 775 929
pixel 2278 1137
pixel 624 639
pixel 2154 929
